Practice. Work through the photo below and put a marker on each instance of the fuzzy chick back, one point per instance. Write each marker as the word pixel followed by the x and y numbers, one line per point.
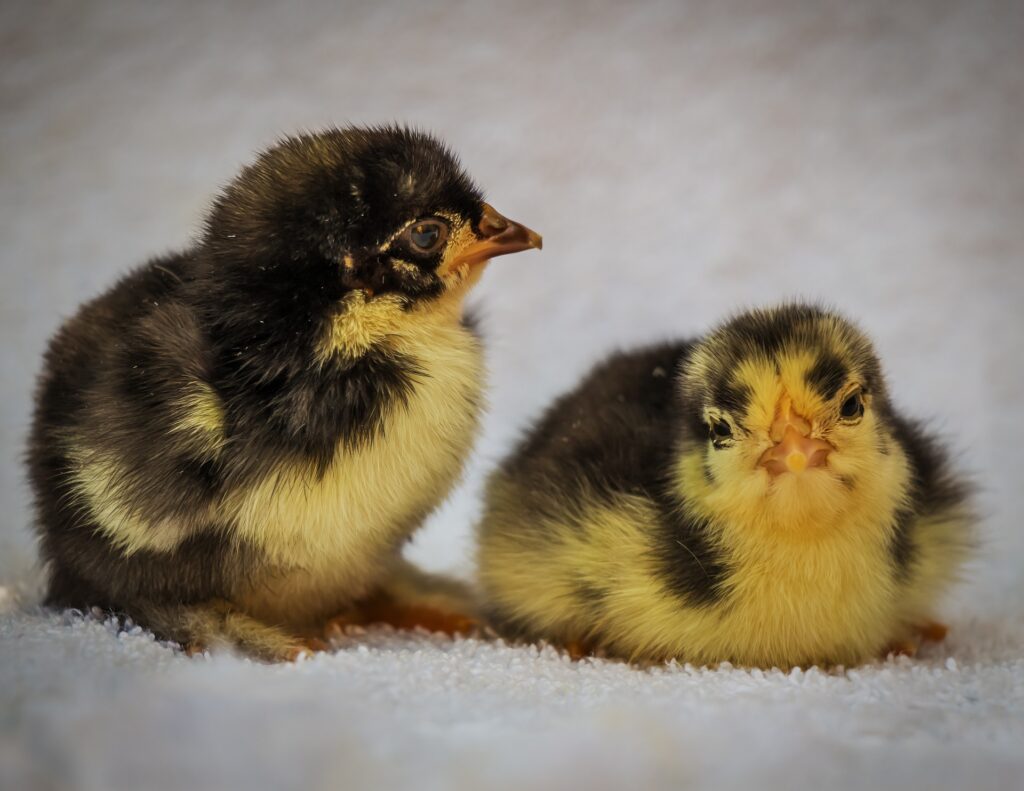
pixel 673 537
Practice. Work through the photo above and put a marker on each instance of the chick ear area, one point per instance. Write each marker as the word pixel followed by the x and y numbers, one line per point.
pixel 395 271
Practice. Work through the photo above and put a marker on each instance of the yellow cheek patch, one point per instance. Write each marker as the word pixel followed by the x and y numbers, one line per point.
pixel 407 269
pixel 365 321
pixel 460 237
pixel 360 324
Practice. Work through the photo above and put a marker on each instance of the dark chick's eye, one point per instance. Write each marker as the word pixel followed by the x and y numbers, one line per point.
pixel 852 408
pixel 720 430
pixel 427 236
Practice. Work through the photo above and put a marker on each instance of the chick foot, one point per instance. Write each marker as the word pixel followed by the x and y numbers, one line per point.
pixel 578 649
pixel 933 631
pixel 410 598
pixel 288 651
pixel 219 625
pixel 902 647
pixel 383 609
pixel 929 632
pixel 306 647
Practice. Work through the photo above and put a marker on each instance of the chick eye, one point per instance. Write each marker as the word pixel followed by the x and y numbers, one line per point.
pixel 426 236
pixel 720 431
pixel 852 408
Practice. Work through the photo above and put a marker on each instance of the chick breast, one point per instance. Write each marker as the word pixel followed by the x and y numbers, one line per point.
pixel 380 491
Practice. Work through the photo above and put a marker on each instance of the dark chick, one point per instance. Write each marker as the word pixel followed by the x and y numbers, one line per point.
pixel 233 443
pixel 752 496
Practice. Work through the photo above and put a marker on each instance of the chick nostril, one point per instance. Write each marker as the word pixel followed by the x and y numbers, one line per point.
pixel 819 458
pixel 492 223
pixel 787 420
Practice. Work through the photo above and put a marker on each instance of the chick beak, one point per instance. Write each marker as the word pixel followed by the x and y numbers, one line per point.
pixel 795 450
pixel 498 235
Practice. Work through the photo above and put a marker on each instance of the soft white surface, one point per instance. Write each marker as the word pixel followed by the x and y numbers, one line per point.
pixel 424 713
pixel 681 160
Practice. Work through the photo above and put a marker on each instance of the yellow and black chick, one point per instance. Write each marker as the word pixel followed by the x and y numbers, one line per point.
pixel 751 497
pixel 232 444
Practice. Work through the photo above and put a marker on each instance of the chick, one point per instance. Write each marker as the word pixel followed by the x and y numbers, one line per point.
pixel 751 497
pixel 232 444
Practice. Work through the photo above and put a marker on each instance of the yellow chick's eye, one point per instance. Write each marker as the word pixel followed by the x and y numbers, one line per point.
pixel 720 433
pixel 852 408
pixel 426 236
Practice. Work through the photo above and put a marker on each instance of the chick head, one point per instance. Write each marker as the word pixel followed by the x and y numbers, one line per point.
pixel 788 418
pixel 383 210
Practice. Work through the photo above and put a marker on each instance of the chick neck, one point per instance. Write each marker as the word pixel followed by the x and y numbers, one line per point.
pixel 364 321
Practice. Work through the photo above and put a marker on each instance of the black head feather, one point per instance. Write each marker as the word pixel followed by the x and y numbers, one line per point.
pixel 839 348
pixel 282 232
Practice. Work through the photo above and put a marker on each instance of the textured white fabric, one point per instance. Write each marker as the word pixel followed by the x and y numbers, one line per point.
pixel 682 160
pixel 100 711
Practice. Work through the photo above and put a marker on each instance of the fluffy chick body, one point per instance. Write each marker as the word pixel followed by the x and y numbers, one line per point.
pixel 624 522
pixel 233 444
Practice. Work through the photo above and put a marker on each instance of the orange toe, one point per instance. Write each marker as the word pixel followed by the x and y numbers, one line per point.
pixel 339 623
pixel 903 647
pixel 413 616
pixel 384 610
pixel 577 650
pixel 933 631
pixel 306 647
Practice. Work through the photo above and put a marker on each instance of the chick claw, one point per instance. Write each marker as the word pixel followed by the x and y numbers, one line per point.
pixel 402 616
pixel 904 647
pixel 930 631
pixel 306 648
pixel 577 650
pixel 194 649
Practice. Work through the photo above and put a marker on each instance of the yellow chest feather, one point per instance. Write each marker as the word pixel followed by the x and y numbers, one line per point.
pixel 329 539
pixel 795 600
pixel 811 575
pixel 323 538
pixel 830 600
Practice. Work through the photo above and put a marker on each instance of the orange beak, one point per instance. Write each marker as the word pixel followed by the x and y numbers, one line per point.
pixel 795 450
pixel 498 236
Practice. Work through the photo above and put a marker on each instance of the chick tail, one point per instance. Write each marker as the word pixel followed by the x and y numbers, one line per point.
pixel 218 625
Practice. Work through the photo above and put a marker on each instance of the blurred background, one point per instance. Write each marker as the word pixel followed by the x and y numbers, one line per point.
pixel 682 159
